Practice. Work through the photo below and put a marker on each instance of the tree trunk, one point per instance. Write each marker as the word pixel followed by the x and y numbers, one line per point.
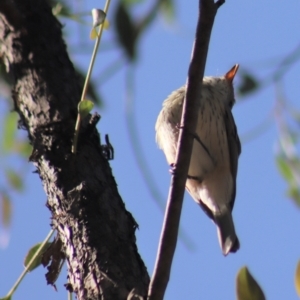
pixel 96 231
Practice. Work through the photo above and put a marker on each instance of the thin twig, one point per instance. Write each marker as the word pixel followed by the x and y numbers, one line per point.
pixel 168 240
pixel 29 265
pixel 87 79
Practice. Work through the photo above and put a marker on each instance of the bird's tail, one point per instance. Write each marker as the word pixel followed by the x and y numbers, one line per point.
pixel 228 240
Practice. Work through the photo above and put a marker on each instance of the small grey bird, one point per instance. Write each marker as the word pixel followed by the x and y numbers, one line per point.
pixel 212 172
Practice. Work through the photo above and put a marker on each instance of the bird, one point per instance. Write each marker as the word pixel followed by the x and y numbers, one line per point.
pixel 211 179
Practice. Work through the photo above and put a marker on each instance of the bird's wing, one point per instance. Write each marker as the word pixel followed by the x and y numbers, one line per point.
pixel 234 146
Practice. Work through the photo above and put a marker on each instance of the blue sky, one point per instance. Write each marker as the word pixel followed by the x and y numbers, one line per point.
pixel 255 34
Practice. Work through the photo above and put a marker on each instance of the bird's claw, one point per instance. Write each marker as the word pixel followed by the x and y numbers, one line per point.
pixel 172 169
pixel 173 172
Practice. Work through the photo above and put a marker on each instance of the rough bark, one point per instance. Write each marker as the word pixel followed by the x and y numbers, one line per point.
pixel 96 231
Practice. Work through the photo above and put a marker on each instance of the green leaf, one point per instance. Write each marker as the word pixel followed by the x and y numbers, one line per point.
pixel 6 298
pixel 297 278
pixel 61 9
pixel 23 148
pixel 248 83
pixel 126 30
pixel 9 131
pixel 168 9
pixel 132 2
pixel 84 108
pixel 246 286
pixel 6 209
pixel 93 34
pixel 38 260
pixel 294 193
pixel 14 179
pixel 284 168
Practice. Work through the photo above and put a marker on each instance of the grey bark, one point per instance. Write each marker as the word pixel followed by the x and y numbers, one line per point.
pixel 96 230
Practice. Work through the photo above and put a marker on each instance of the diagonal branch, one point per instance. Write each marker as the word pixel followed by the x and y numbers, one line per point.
pixel 96 230
pixel 159 281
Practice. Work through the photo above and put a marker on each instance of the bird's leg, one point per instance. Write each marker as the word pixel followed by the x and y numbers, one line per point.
pixel 173 172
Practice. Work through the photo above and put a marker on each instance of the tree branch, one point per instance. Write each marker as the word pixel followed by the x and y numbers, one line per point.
pixel 159 281
pixel 97 232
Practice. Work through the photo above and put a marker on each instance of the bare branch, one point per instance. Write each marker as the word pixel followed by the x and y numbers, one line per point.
pixel 159 281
